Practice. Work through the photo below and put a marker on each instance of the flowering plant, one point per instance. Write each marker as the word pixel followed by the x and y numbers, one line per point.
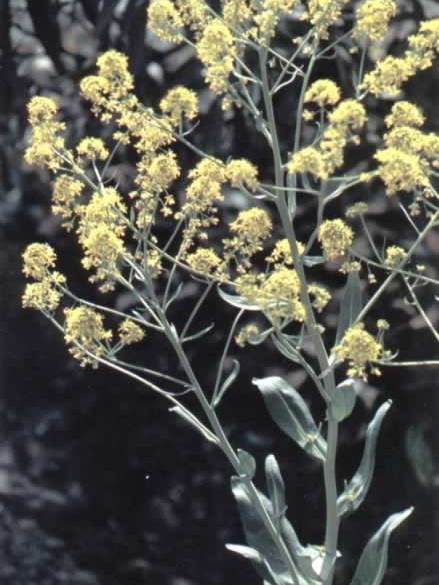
pixel 262 269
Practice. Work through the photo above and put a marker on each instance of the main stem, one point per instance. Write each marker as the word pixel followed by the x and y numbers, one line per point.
pixel 329 470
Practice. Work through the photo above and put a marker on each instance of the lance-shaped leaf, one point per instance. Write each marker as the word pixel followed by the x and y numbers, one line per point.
pixel 227 382
pixel 372 565
pixel 276 487
pixel 343 401
pixel 247 463
pixel 291 413
pixel 256 533
pixel 350 305
pixel 357 488
pixel 237 301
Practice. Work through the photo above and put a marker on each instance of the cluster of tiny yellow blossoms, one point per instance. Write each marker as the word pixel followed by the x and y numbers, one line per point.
pixel 207 263
pixel 322 14
pixel 390 73
pixel 85 335
pixel 101 230
pixel 410 155
pixel 323 92
pixel 266 18
pixel 335 237
pixel 241 172
pixel 276 294
pixel 281 254
pixel 130 332
pixel 322 160
pixel 360 349
pixel 180 103
pixel 357 210
pixel 320 296
pixel 65 195
pixel 216 50
pixel 47 140
pixel 373 18
pixel 44 294
pixel 250 229
pixel 165 21
pixel 92 149
pixel 395 256
pixel 247 334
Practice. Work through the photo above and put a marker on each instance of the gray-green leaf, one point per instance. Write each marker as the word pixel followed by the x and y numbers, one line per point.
pixel 343 401
pixel 358 487
pixel 237 301
pixel 372 565
pixel 247 463
pixel 291 413
pixel 350 305
pixel 227 382
pixel 275 486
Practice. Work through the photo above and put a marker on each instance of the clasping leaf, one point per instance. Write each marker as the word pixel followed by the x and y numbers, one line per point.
pixel 372 565
pixel 358 487
pixel 291 413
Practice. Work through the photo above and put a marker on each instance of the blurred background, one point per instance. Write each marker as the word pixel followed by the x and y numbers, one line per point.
pixel 99 484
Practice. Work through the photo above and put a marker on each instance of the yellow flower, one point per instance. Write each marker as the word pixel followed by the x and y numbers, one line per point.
pixel 165 21
pixel 216 50
pixel 247 334
pixel 162 171
pixel 357 209
pixel 323 92
pixel 250 229
pixel 281 254
pixel 336 238
pixel 130 332
pixel 84 326
pixel 42 296
pixel 113 67
pixel 242 172
pixel 65 194
pixel 47 141
pixel 37 260
pixel 404 114
pixel 389 75
pixel 373 17
pixel 323 13
pixel 308 160
pixel 206 262
pixel 180 103
pixel 395 255
pixel 103 250
pixel 401 171
pixel 92 149
pixel 359 348
pixel 321 296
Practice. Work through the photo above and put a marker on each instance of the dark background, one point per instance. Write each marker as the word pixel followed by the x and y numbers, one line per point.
pixel 99 484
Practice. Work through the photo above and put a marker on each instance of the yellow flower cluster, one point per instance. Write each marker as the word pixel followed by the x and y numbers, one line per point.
pixel 65 195
pixel 207 263
pixel 43 295
pixel 92 149
pixel 410 155
pixel 84 332
pixel 130 332
pixel 391 73
pixel 277 295
pixel 46 134
pixel 180 103
pixel 373 18
pixel 357 209
pixel 164 20
pixel 359 348
pixel 395 256
pixel 250 229
pixel 323 92
pixel 216 50
pixel 247 334
pixel 241 172
pixel 101 229
pixel 322 14
pixel 322 160
pixel 281 254
pixel 336 238
pixel 266 18
pixel 320 296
